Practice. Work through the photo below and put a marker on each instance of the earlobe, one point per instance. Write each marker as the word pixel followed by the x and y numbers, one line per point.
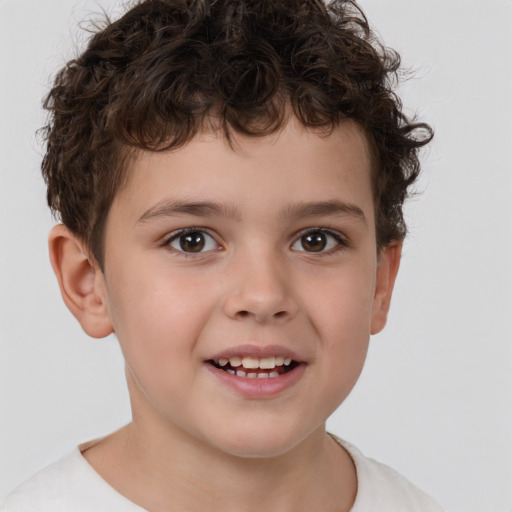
pixel 81 282
pixel 387 270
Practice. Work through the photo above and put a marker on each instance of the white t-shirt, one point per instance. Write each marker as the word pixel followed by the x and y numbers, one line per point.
pixel 72 485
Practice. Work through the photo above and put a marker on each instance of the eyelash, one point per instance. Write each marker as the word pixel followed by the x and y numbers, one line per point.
pixel 341 242
pixel 176 235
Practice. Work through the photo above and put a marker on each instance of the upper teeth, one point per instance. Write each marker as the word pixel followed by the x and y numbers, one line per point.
pixel 266 363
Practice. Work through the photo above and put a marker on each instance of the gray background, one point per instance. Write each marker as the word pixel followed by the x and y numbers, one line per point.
pixel 435 398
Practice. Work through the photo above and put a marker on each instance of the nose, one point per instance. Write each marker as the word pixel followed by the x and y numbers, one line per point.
pixel 260 289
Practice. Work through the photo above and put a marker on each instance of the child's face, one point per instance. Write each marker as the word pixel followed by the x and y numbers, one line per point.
pixel 278 260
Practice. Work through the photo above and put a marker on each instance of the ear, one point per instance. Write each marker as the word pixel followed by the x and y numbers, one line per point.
pixel 81 282
pixel 388 262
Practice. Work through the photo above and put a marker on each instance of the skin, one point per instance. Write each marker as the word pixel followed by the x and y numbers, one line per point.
pixel 194 440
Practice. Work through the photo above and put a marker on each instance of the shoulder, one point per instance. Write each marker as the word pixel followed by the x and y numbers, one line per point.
pixel 68 484
pixel 42 490
pixel 382 488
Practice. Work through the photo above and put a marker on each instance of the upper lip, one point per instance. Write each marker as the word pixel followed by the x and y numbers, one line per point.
pixel 256 351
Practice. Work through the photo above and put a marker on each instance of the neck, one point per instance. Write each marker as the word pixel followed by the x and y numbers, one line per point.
pixel 160 466
pixel 185 474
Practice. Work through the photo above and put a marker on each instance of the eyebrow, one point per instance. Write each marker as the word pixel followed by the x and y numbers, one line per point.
pixel 170 208
pixel 323 208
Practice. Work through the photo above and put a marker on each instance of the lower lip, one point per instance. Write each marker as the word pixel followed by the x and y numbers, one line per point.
pixel 258 388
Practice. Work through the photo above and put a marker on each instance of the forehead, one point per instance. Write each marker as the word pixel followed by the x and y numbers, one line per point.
pixel 294 163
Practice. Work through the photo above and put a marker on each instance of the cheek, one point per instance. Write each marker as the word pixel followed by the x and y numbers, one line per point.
pixel 341 304
pixel 344 348
pixel 341 315
pixel 157 318
pixel 345 344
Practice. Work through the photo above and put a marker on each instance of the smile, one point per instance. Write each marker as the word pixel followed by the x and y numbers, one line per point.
pixel 255 368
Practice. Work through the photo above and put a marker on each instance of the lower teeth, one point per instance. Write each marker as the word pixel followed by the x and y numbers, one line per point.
pixel 253 375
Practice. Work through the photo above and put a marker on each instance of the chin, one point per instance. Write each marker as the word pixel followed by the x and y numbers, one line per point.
pixel 258 442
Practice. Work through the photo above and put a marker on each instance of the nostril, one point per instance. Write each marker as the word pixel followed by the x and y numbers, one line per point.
pixel 244 313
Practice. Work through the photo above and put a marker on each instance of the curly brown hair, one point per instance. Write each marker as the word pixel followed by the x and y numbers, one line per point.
pixel 168 69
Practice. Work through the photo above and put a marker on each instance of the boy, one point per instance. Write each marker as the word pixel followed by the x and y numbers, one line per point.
pixel 230 177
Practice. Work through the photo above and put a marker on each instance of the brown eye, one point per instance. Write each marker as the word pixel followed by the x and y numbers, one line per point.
pixel 314 242
pixel 193 241
pixel 319 240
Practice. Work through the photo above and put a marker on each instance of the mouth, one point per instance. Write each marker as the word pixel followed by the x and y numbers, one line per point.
pixel 255 368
